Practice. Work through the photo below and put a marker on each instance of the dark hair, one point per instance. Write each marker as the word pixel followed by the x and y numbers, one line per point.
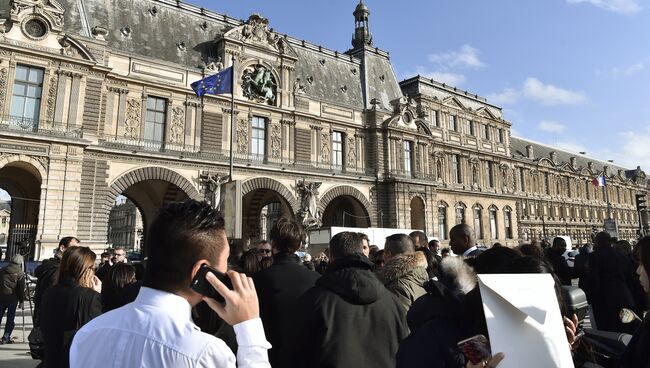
pixel 493 259
pixel 119 275
pixel 557 241
pixel 365 237
pixel 445 251
pixel 432 242
pixel 623 246
pixel 399 244
pixel 531 250
pixel 266 262
pixel 345 244
pixel 181 235
pixel 286 235
pixel 602 239
pixel 373 251
pixel 420 238
pixel 644 252
pixel 77 263
pixel 66 241
pixel 249 263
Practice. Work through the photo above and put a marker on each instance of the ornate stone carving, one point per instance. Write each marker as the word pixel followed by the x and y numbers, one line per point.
pixel 132 122
pixel 177 129
pixel 258 84
pixel 3 88
pixel 276 141
pixel 352 152
pixel 325 148
pixel 242 136
pixel 213 188
pixel 308 194
pixel 256 30
pixel 51 98
pixel 214 66
pixel 298 88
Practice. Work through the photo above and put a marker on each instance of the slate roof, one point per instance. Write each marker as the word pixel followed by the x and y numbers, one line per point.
pixel 540 150
pixel 156 34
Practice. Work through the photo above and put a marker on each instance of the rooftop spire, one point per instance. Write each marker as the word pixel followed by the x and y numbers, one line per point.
pixel 362 36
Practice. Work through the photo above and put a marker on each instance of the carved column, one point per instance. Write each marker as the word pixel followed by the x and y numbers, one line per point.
pixel 351 152
pixel 316 142
pixel 75 100
pixel 3 89
pixel 325 148
pixel 242 136
pixel 275 144
pixel 177 126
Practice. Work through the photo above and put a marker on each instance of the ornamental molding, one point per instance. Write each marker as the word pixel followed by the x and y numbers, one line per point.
pixel 177 129
pixel 3 89
pixel 132 122
pixel 255 31
pixel 51 98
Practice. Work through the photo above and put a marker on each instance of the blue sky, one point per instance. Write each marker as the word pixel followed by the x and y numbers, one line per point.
pixel 570 73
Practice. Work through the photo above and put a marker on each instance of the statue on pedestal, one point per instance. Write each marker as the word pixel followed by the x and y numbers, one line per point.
pixel 213 189
pixel 309 213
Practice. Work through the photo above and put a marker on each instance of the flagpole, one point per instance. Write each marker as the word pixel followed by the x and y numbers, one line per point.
pixel 232 119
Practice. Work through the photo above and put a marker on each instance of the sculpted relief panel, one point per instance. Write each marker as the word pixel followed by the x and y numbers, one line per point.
pixel 178 125
pixel 259 85
pixel 132 122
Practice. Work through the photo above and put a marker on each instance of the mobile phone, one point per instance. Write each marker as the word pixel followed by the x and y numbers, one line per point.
pixel 203 286
pixel 476 348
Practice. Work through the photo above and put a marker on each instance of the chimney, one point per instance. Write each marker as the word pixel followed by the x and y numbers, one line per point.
pixel 574 162
pixel 553 156
pixel 529 152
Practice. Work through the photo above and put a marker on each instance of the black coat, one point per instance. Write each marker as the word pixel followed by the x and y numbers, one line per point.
pixel 560 266
pixel 637 353
pixel 66 307
pixel 46 274
pixel 349 319
pixel 12 283
pixel 610 281
pixel 278 289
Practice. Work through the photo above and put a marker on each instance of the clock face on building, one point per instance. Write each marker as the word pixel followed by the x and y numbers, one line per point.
pixel 35 28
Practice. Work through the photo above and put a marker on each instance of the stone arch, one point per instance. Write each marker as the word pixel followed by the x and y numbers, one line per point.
pixel 268 183
pixel 37 166
pixel 151 173
pixel 342 190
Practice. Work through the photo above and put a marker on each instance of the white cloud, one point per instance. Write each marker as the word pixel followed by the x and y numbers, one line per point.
pixel 627 71
pixel 551 126
pixel 616 6
pixel 634 149
pixel 506 97
pixel 466 57
pixel 548 94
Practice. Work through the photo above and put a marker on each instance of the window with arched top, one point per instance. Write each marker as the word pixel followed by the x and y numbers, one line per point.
pixel 478 221
pixel 442 220
pixel 460 213
pixel 507 221
pixel 494 230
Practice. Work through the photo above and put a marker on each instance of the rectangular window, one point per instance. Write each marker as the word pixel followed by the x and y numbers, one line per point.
pixel 442 222
pixel 434 118
pixel 337 148
pixel 507 219
pixel 478 223
pixel 408 156
pixel 547 184
pixel 452 123
pixel 489 174
pixel 258 136
pixel 485 131
pixel 154 126
pixel 470 128
pixel 456 169
pixel 26 97
pixel 494 231
pixel 502 137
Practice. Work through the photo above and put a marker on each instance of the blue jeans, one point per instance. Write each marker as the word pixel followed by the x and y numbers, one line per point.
pixel 11 314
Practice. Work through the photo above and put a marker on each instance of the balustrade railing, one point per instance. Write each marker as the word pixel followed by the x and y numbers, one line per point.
pixel 40 127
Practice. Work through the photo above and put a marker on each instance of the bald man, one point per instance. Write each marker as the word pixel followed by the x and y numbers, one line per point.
pixel 463 242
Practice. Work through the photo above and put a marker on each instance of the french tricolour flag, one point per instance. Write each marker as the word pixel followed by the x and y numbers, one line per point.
pixel 599 181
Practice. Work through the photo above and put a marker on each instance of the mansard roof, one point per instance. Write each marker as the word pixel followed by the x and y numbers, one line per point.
pixel 154 29
pixel 441 91
pixel 562 157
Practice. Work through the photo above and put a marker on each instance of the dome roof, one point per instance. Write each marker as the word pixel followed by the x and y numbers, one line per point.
pixel 361 8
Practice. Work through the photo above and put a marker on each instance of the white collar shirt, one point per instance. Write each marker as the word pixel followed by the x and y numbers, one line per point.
pixel 156 330
pixel 469 251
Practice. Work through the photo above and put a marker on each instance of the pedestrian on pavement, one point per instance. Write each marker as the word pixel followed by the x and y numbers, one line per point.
pixel 405 271
pixel 610 281
pixel 115 291
pixel 280 286
pixel 157 330
pixel 462 241
pixel 265 249
pixel 12 294
pixel 555 258
pixel 637 353
pixel 46 273
pixel 69 304
pixel 349 319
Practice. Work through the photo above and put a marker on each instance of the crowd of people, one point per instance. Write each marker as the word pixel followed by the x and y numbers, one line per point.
pixel 355 305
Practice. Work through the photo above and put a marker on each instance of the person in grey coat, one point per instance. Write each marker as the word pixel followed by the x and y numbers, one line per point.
pixel 12 294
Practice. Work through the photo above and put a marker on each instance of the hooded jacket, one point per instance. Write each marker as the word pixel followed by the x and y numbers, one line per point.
pixel 348 319
pixel 12 281
pixel 405 275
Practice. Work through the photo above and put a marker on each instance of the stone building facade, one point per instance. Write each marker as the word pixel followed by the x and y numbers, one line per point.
pixel 95 102
pixel 125 228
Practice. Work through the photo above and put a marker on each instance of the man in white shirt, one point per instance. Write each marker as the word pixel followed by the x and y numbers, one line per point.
pixel 463 242
pixel 156 330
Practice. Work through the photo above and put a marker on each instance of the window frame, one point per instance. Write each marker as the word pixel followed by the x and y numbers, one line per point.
pixel 257 142
pixel 408 157
pixel 154 125
pixel 337 154
pixel 25 96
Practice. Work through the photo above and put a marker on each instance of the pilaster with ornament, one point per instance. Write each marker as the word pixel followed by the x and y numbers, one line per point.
pixel 242 136
pixel 132 121
pixel 276 140
pixel 177 128
pixel 3 88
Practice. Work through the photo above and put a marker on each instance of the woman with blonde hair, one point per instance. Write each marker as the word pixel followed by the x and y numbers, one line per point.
pixel 71 303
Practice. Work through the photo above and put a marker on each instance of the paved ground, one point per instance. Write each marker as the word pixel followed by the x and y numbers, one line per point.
pixel 16 355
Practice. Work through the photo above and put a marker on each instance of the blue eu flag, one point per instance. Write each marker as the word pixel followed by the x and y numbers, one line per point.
pixel 215 84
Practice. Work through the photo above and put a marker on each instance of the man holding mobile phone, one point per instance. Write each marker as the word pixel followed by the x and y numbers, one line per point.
pixel 156 330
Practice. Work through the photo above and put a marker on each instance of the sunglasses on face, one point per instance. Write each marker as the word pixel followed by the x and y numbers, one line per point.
pixel 265 250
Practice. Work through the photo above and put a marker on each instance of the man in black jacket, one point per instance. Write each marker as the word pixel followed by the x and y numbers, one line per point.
pixel 279 286
pixel 12 294
pixel 555 257
pixel 349 319
pixel 46 273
